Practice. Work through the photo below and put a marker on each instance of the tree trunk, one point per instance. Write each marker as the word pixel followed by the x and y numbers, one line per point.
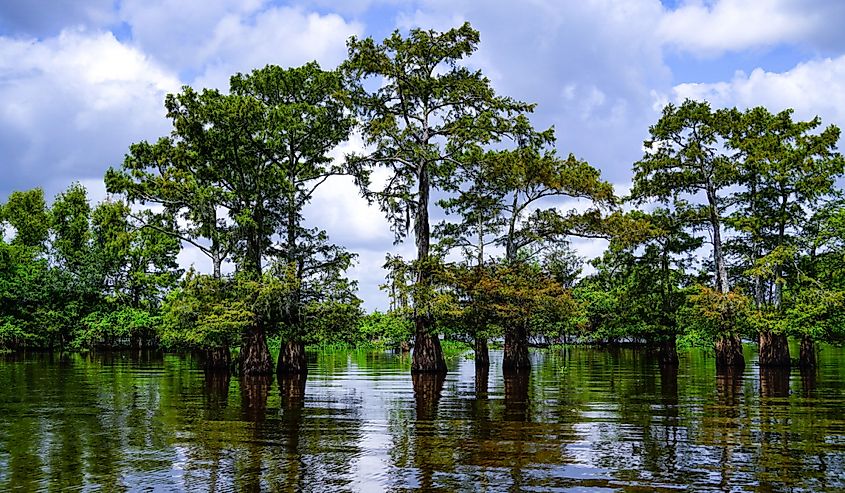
pixel 482 380
pixel 217 360
pixel 516 350
pixel 255 355
pixel 729 353
pixel 292 359
pixel 482 355
pixel 728 347
pixel 668 352
pixel 217 263
pixel 807 358
pixel 428 355
pixel 774 350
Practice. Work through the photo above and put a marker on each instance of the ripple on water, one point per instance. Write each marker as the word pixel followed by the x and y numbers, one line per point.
pixel 583 420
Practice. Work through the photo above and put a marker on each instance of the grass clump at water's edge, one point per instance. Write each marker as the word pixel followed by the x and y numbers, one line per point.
pixel 450 347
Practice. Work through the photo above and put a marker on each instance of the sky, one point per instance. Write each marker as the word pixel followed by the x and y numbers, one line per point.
pixel 82 80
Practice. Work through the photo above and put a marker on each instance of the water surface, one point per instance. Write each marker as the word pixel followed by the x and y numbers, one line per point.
pixel 583 420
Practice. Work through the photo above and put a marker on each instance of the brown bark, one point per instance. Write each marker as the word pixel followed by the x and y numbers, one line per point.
pixel 668 352
pixel 516 350
pixel 482 380
pixel 729 353
pixel 255 355
pixel 482 354
pixel 807 358
pixel 292 358
pixel 774 350
pixel 217 360
pixel 428 355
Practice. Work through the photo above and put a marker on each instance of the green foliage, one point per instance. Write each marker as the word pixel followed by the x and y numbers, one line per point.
pixel 70 218
pixel 117 327
pixel 27 213
pixel 239 168
pixel 204 313
pixel 389 329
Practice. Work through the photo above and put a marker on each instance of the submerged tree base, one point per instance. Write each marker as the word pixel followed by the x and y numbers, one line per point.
pixel 217 360
pixel 667 353
pixel 729 353
pixel 255 356
pixel 292 359
pixel 482 353
pixel 516 351
pixel 807 357
pixel 428 355
pixel 774 350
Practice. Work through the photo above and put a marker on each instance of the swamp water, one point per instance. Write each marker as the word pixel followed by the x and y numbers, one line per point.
pixel 583 420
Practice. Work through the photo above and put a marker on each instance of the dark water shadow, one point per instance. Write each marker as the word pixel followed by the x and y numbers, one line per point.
pixel 427 391
pixel 427 453
pixel 293 470
pixel 728 399
pixel 216 393
pixel 482 382
pixel 774 382
pixel 728 391
pixel 254 392
pixel 517 402
pixel 809 381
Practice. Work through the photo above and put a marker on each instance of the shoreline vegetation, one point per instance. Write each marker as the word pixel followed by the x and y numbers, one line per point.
pixel 733 229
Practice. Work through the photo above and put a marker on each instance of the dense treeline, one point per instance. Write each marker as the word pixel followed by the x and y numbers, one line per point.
pixel 733 227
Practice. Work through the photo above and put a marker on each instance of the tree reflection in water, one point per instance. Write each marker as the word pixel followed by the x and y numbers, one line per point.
pixel 585 418
pixel 428 451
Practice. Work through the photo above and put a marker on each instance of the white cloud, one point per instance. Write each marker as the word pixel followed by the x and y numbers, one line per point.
pixel 590 65
pixel 208 41
pixel 280 36
pixel 173 30
pixel 70 106
pixel 811 88
pixel 711 28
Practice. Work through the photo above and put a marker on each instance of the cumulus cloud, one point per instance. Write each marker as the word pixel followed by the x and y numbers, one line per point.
pixel 71 104
pixel 208 41
pixel 46 18
pixel 811 88
pixel 727 25
pixel 713 27
pixel 173 30
pixel 590 66
pixel 281 36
